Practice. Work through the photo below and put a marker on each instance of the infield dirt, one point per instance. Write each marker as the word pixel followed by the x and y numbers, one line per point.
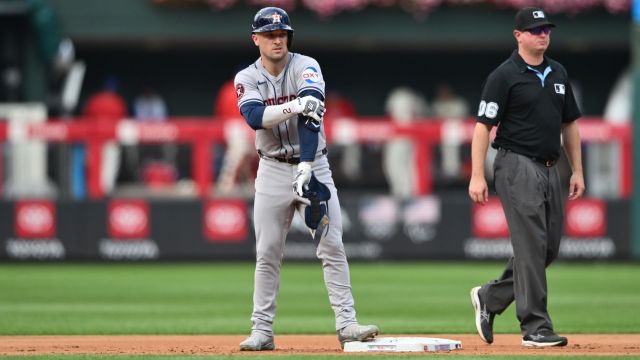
pixel 579 344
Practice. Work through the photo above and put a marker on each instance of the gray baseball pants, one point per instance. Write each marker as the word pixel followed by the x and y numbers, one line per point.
pixel 274 208
pixel 533 203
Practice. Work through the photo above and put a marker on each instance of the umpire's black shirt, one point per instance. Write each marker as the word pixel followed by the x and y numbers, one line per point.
pixel 529 104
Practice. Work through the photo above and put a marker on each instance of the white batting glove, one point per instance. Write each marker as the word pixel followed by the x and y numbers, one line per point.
pixel 301 183
pixel 311 107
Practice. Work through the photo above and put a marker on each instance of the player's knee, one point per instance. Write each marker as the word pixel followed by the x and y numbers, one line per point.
pixel 269 254
pixel 329 248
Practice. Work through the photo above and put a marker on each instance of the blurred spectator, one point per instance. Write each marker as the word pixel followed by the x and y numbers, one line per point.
pixel 448 104
pixel 338 106
pixel 150 107
pixel 105 107
pixel 452 109
pixel 239 158
pixel 404 106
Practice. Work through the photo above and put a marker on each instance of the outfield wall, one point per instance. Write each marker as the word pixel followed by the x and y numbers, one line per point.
pixel 375 227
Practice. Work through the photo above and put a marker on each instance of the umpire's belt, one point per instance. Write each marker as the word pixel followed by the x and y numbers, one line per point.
pixel 287 160
pixel 547 163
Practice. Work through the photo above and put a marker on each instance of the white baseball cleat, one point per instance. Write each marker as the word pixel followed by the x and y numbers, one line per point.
pixel 357 332
pixel 258 341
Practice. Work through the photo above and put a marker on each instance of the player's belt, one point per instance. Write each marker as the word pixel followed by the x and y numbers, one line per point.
pixel 294 160
pixel 547 163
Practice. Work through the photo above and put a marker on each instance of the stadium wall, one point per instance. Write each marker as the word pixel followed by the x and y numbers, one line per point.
pixel 375 227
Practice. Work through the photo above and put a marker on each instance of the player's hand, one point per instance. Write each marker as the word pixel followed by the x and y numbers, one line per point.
pixel 311 107
pixel 478 190
pixel 576 186
pixel 301 183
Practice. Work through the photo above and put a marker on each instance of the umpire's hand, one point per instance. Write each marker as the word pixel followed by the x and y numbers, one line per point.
pixel 478 190
pixel 576 186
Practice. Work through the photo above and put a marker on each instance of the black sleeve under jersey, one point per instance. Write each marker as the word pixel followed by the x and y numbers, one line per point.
pixel 308 130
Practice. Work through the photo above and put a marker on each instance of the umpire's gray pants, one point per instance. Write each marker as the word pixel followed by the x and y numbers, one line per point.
pixel 533 203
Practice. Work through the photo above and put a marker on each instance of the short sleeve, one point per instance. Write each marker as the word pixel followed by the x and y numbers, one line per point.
pixel 571 111
pixel 495 92
pixel 246 89
pixel 309 76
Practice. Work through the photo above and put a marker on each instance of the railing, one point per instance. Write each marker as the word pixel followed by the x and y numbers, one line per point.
pixel 202 132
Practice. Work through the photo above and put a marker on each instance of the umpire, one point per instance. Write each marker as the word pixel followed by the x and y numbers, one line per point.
pixel 529 98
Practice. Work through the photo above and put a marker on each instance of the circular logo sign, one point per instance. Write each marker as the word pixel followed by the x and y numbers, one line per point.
pixel 128 219
pixel 586 218
pixel 225 219
pixel 35 218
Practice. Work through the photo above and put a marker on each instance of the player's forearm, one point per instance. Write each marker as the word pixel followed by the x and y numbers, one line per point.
pixel 571 141
pixel 479 146
pixel 275 114
pixel 308 141
pixel 259 116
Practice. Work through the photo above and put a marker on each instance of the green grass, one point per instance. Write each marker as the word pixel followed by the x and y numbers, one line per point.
pixel 199 298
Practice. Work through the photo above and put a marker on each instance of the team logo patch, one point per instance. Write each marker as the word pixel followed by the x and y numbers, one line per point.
pixel 239 90
pixel 559 88
pixel 276 18
pixel 311 75
pixel 538 15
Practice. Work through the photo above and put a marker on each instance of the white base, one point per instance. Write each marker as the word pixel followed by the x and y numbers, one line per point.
pixel 403 344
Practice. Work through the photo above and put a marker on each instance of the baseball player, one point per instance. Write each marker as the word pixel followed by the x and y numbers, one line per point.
pixel 281 96
pixel 529 98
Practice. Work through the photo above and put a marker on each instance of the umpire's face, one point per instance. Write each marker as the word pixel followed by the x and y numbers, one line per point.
pixel 272 44
pixel 533 40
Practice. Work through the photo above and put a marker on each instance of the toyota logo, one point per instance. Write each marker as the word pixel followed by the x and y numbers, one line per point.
pixel 225 218
pixel 586 217
pixel 35 218
pixel 128 219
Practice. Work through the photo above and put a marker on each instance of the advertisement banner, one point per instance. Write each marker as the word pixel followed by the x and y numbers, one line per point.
pixel 128 230
pixel 225 221
pixel 585 232
pixel 34 232
pixel 374 227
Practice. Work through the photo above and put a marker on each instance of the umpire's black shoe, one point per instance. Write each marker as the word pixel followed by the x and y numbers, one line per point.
pixel 484 319
pixel 544 338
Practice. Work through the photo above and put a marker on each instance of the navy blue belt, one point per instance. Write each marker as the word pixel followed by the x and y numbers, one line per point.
pixel 287 160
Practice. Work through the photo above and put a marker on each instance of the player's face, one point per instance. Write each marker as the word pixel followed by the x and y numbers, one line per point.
pixel 272 44
pixel 534 40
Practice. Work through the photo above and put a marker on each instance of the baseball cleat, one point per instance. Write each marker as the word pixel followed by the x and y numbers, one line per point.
pixel 484 319
pixel 356 332
pixel 258 341
pixel 544 338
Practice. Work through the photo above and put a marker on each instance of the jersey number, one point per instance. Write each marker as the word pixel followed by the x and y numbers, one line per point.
pixel 489 110
pixel 286 111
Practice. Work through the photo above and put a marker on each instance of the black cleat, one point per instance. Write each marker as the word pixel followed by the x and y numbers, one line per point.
pixel 544 338
pixel 484 319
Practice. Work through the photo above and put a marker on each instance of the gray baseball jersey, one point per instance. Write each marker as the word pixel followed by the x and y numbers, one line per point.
pixel 255 84
pixel 275 202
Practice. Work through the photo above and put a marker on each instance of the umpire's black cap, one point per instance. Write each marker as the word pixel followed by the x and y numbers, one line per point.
pixel 531 17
